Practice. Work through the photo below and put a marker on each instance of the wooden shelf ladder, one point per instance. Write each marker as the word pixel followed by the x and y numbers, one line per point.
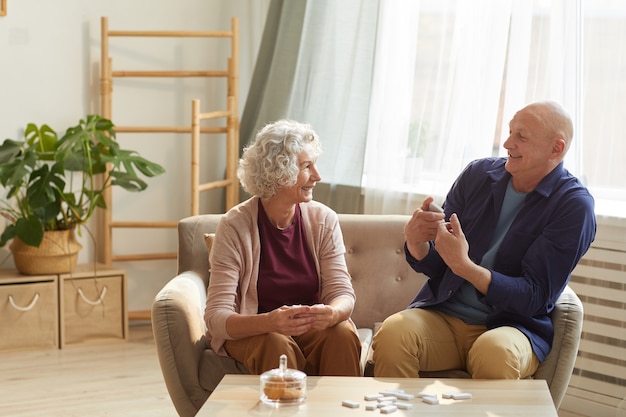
pixel 195 129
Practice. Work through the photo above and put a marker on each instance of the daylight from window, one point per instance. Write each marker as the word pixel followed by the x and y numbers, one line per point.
pixel 473 68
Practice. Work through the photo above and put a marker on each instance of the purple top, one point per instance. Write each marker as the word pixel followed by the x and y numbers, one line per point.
pixel 287 273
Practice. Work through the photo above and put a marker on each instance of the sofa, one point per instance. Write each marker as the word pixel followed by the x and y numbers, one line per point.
pixel 383 282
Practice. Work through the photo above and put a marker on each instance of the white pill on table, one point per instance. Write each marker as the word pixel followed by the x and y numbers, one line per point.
pixel 389 409
pixel 350 404
pixel 430 399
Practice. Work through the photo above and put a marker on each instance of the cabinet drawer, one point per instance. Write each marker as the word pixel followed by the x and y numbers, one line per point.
pixel 29 315
pixel 92 308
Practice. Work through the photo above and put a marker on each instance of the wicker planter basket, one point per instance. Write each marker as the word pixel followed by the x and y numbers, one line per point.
pixel 57 254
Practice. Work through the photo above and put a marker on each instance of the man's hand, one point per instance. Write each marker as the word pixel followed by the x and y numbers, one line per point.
pixel 453 248
pixel 451 243
pixel 421 228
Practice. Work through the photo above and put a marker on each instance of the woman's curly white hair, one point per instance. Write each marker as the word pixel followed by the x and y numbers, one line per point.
pixel 271 161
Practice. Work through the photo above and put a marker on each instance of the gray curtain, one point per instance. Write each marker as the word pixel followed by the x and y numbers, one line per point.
pixel 315 65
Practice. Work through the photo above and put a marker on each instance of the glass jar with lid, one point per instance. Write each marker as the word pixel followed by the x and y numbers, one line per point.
pixel 283 385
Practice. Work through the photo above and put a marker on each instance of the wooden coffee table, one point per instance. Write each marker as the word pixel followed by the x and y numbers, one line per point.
pixel 238 395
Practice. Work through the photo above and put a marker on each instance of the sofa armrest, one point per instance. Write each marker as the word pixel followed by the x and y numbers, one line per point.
pixel 179 334
pixel 567 318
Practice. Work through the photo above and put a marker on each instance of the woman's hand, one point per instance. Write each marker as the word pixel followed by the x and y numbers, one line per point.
pixel 291 320
pixel 323 315
pixel 297 320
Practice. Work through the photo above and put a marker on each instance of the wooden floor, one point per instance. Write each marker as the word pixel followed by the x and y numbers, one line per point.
pixel 111 378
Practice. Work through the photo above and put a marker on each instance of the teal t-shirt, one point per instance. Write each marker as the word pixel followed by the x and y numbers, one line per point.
pixel 464 303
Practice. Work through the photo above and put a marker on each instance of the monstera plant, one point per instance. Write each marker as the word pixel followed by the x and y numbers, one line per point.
pixel 56 184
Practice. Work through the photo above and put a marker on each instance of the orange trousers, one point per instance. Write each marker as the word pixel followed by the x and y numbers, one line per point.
pixel 333 351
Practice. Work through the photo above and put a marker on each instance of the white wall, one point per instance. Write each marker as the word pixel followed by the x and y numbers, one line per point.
pixel 49 73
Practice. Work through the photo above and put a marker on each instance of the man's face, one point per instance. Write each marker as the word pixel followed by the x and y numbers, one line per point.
pixel 531 152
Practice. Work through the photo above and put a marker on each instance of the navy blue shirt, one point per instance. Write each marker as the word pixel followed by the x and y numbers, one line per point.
pixel 552 231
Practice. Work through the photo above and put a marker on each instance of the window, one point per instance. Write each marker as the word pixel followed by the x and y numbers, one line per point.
pixel 476 63
pixel 604 103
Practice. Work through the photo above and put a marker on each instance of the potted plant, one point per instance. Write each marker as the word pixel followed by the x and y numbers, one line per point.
pixel 55 184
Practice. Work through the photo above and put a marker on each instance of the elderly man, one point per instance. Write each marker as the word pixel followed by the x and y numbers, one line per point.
pixel 513 230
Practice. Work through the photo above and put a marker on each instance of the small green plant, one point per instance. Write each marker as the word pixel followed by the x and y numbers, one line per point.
pixel 56 184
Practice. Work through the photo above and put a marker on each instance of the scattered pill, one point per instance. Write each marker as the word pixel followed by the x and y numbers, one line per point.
pixel 387 398
pixel 430 399
pixel 371 407
pixel 404 396
pixel 461 395
pixel 403 406
pixel 372 397
pixel 388 409
pixel 350 404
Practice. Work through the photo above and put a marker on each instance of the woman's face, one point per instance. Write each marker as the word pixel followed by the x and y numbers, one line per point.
pixel 302 190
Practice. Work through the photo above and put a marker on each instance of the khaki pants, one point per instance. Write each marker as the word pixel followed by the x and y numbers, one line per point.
pixel 419 339
pixel 332 351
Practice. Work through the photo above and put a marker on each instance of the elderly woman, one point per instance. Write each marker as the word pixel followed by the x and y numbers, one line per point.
pixel 279 282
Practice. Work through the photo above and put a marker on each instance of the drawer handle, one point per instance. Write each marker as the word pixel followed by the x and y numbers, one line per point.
pixel 93 303
pixel 28 307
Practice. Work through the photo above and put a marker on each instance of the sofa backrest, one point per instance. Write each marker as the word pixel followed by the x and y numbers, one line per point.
pixel 192 251
pixel 382 279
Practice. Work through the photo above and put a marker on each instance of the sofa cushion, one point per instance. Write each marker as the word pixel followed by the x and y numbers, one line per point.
pixel 365 336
